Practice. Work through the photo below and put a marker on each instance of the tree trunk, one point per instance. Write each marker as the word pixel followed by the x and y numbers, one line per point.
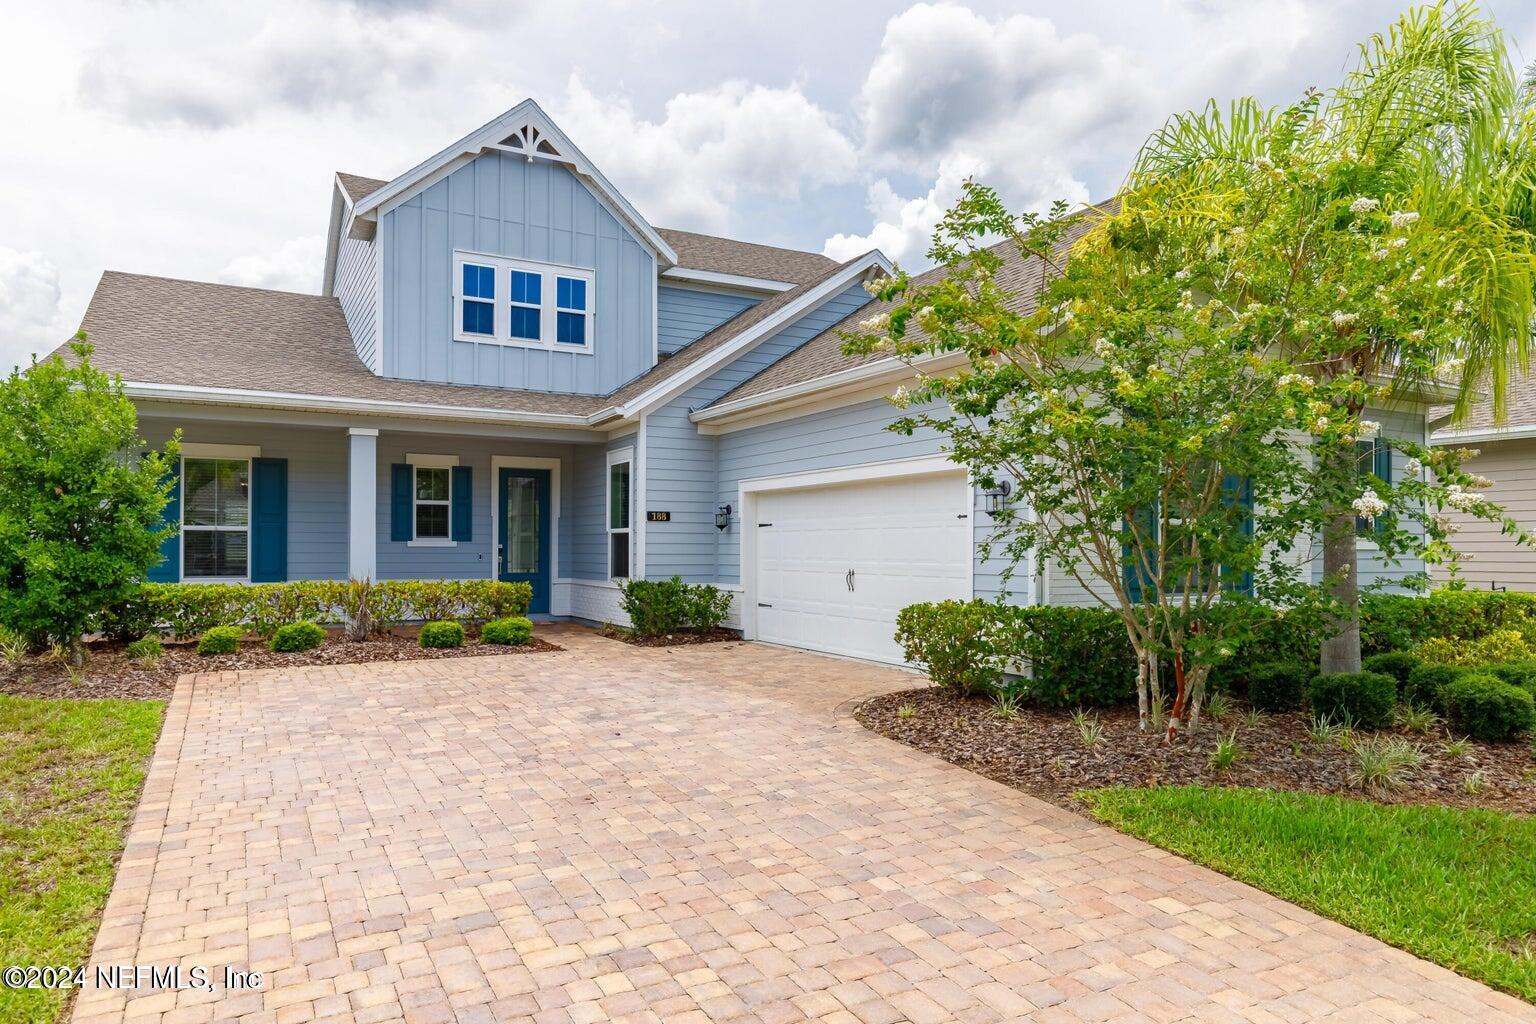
pixel 1341 652
pixel 1143 688
pixel 1180 696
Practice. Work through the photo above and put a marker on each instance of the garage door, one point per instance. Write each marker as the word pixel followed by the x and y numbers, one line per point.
pixel 835 564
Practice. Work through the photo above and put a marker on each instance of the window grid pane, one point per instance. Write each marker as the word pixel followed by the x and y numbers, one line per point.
pixel 526 288
pixel 479 282
pixel 432 521
pixel 479 318
pixel 571 328
pixel 432 484
pixel 618 545
pixel 525 323
pixel 571 293
pixel 217 492
pixel 618 496
pixel 211 554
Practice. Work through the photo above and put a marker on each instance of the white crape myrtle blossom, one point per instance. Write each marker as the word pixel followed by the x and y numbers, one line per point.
pixel 1368 506
pixel 876 323
pixel 1482 483
pixel 1413 467
pixel 1450 369
pixel 1369 429
pixel 876 285
pixel 1364 204
pixel 901 397
pixel 1460 500
pixel 1105 349
pixel 1342 319
pixel 1398 243
pixel 1320 425
pixel 1401 219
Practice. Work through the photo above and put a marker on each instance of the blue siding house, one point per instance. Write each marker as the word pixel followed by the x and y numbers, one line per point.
pixel 512 374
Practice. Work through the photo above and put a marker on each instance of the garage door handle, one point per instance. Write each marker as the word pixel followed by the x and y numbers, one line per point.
pixel 761 605
pixel 848 579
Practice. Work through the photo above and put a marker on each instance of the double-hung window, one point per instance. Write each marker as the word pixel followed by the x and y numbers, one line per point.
pixel 433 502
pixel 524 303
pixel 619 512
pixel 216 518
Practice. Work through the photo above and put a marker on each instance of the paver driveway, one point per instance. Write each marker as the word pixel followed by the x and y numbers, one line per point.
pixel 680 835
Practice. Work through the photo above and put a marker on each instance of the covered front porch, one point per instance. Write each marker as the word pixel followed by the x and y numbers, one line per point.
pixel 268 495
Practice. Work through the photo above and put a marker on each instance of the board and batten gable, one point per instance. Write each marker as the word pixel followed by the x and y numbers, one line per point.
pixel 836 439
pixel 356 288
pixel 680 462
pixel 501 205
pixel 684 315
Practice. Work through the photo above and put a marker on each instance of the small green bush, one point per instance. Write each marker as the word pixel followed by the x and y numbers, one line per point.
pixel 220 640
pixel 1278 685
pixel 1397 664
pixel 660 607
pixel 1499 646
pixel 509 632
pixel 1487 708
pixel 1364 698
pixel 1077 657
pixel 442 634
pixel 298 636
pixel 1426 681
pixel 955 642
pixel 146 648
pixel 1516 673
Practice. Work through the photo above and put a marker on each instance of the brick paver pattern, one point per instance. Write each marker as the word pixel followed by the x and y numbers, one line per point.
pixel 685 835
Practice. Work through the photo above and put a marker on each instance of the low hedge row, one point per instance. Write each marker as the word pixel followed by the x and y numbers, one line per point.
pixel 659 607
pixel 187 609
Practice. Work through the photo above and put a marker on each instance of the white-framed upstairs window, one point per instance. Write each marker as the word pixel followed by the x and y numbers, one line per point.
pixel 432 499
pixel 620 488
pixel 524 303
pixel 216 512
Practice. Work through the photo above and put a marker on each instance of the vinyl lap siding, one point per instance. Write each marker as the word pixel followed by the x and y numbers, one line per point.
pixel 506 206
pixel 588 515
pixel 317 485
pixel 1490 559
pixel 356 288
pixel 680 462
pixel 687 314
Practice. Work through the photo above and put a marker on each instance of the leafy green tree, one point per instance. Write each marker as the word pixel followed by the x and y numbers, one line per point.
pixel 80 506
pixel 1391 219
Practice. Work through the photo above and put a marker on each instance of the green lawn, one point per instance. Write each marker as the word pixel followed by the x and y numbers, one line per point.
pixel 1454 886
pixel 70 775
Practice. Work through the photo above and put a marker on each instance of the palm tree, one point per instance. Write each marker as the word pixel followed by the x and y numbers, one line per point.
pixel 1433 119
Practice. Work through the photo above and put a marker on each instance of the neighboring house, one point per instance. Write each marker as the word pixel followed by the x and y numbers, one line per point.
pixel 1507 456
pixel 512 374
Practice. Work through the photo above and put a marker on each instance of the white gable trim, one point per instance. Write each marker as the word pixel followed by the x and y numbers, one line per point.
pixel 669 388
pixel 488 137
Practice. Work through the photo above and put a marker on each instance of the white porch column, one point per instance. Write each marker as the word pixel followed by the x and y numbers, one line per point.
pixel 362 502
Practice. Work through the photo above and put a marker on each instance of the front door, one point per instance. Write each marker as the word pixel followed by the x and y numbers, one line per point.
pixel 524 512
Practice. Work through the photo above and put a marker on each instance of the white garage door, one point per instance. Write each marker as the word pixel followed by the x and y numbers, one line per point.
pixel 835 564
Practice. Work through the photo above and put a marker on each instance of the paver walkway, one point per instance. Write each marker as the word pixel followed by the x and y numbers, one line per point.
pixel 682 835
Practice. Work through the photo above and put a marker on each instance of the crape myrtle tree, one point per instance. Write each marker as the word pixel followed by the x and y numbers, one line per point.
pixel 80 499
pixel 1392 222
pixel 1163 451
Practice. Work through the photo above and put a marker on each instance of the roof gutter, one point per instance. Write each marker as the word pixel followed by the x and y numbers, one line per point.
pixel 692 275
pixel 880 371
pixel 1511 432
pixel 332 403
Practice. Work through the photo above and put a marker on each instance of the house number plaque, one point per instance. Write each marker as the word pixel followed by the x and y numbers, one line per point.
pixel 658 517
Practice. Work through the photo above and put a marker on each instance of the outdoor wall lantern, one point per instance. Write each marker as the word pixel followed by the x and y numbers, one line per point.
pixel 997 497
pixel 722 517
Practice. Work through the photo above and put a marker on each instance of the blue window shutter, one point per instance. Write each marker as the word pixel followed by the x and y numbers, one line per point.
pixel 168 569
pixel 269 520
pixel 1382 465
pixel 1240 489
pixel 1135 573
pixel 463 502
pixel 400 483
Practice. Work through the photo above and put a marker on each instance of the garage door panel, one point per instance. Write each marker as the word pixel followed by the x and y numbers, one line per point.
pixel 906 540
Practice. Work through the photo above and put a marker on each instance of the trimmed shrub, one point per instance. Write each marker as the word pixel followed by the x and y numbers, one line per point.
pixel 146 648
pixel 1399 622
pixel 1427 680
pixel 955 642
pixel 1516 673
pixel 1278 685
pixel 1499 646
pixel 1397 664
pixel 1487 708
pixel 298 636
pixel 659 607
pixel 1077 657
pixel 186 609
pixel 1364 698
pixel 441 634
pixel 509 632
pixel 220 640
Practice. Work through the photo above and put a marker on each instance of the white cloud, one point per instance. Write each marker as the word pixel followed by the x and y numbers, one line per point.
pixel 710 147
pixel 31 320
pixel 303 57
pixel 294 266
pixel 1022 103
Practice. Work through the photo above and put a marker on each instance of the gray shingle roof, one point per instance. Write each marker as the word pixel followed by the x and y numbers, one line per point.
pixel 823 354
pixel 745 259
pixel 357 186
pixel 165 331
pixel 1519 408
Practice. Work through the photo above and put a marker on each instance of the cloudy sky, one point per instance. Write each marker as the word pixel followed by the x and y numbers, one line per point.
pixel 197 139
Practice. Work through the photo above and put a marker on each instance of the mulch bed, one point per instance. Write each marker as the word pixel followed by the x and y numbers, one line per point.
pixel 109 672
pixel 712 636
pixel 1042 753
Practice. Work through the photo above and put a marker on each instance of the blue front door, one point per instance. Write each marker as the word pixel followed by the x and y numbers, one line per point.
pixel 524 509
